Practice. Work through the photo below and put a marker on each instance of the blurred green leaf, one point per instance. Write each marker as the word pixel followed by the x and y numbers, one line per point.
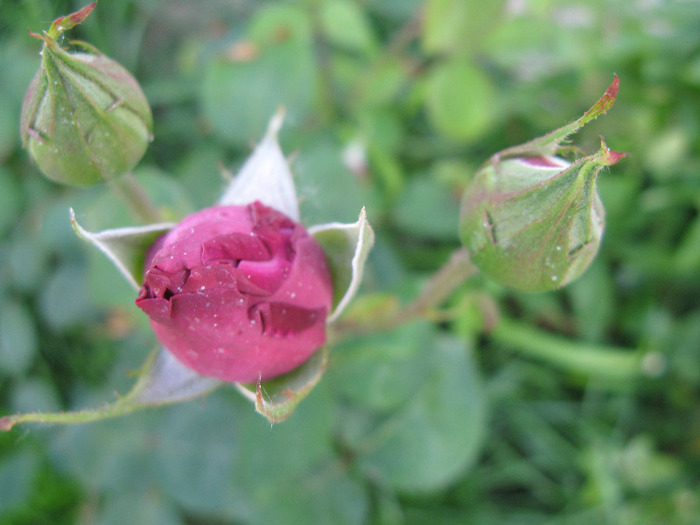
pixel 428 209
pixel 459 26
pixel 592 299
pixel 28 263
pixel 436 431
pixel 327 190
pixel 147 508
pixel 289 474
pixel 432 439
pixel 65 300
pixel 17 473
pixel 381 372
pixel 243 87
pixel 11 198
pixel 18 337
pixel 34 394
pixel 346 26
pixel 459 100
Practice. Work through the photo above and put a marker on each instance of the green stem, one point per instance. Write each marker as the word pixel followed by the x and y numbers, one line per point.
pixel 440 286
pixel 140 204
pixel 436 291
pixel 122 407
pixel 597 361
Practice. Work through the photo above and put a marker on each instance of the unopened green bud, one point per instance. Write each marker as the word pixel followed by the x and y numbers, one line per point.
pixel 85 118
pixel 530 219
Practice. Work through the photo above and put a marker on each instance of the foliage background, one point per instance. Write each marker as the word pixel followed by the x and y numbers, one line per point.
pixel 580 407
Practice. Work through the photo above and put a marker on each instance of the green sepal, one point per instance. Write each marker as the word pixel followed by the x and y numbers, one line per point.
pixel 64 23
pixel 125 247
pixel 347 247
pixel 265 176
pixel 551 143
pixel 278 398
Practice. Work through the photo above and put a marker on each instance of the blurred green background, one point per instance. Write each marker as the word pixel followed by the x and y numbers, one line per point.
pixel 580 407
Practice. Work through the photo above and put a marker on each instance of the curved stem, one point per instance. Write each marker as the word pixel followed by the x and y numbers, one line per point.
pixel 436 290
pixel 140 204
pixel 440 286
pixel 596 361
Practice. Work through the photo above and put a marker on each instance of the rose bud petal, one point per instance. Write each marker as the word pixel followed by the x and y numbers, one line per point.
pixel 239 293
pixel 85 118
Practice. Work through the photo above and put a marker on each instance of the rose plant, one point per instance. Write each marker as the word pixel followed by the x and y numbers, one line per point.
pixel 242 292
pixel 270 287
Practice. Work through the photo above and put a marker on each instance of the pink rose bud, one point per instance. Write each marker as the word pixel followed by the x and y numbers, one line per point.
pixel 239 293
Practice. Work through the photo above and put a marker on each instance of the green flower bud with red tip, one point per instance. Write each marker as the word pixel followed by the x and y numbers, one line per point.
pixel 85 118
pixel 532 220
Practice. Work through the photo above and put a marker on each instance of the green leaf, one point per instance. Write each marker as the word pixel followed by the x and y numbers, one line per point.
pixel 17 473
pixel 459 26
pixel 11 198
pixel 290 473
pixel 437 434
pixel 18 337
pixel 347 247
pixel 328 191
pixel 459 100
pixel 277 22
pixel 346 26
pixel 136 506
pixel 380 371
pixel 64 299
pixel 125 247
pixel 240 93
pixel 427 208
